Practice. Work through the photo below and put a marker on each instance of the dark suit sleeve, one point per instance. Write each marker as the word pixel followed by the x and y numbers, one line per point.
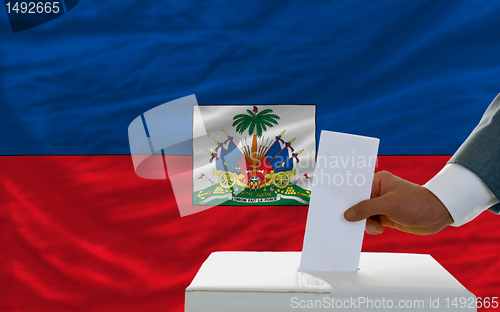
pixel 480 153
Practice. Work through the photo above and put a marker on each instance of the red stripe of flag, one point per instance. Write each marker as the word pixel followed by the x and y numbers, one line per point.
pixel 85 233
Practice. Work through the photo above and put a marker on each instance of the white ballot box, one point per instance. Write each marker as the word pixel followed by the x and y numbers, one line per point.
pixel 271 282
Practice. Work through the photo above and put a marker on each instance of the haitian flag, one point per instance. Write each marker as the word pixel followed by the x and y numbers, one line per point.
pixel 80 231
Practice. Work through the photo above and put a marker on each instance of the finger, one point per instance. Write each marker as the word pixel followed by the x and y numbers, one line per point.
pixel 384 221
pixel 376 188
pixel 379 180
pixel 367 208
pixel 373 226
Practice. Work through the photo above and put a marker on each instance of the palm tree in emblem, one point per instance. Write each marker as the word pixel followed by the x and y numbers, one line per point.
pixel 255 123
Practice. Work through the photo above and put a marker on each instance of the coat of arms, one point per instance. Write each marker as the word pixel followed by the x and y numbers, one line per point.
pixel 260 155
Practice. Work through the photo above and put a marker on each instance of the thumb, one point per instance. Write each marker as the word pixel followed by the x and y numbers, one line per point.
pixel 366 209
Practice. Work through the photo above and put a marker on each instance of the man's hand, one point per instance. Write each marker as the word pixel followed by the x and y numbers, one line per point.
pixel 402 205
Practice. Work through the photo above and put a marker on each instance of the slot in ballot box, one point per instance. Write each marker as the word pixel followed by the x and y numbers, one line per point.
pixel 271 282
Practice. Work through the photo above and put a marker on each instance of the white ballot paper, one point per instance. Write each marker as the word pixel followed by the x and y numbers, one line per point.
pixel 343 177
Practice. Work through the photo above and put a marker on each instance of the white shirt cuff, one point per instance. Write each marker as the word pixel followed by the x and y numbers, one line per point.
pixel 462 192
